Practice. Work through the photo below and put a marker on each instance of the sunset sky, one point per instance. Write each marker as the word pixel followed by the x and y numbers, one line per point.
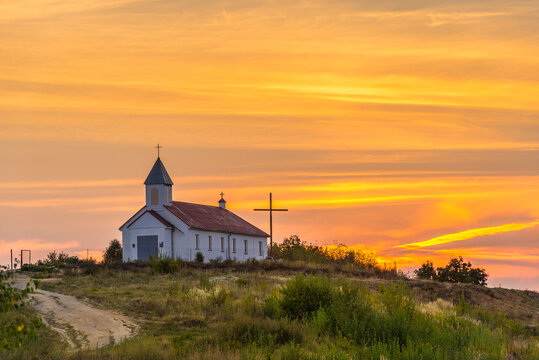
pixel 410 128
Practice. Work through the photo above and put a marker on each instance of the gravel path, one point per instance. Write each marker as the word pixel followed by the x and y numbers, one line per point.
pixel 81 324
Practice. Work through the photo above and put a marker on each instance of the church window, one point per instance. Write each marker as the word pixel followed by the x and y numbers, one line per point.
pixel 233 245
pixel 196 241
pixel 209 243
pixel 222 244
pixel 245 247
pixel 155 196
pixel 260 248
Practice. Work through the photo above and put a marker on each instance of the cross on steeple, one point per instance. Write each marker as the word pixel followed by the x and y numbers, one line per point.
pixel 158 147
pixel 222 194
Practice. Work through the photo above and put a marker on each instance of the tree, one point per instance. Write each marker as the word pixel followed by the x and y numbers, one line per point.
pixel 55 259
pixel 426 271
pixel 457 270
pixel 113 253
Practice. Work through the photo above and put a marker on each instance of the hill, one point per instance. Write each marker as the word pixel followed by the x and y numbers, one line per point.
pixel 291 310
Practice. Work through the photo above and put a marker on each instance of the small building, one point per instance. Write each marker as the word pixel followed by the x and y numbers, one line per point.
pixel 180 230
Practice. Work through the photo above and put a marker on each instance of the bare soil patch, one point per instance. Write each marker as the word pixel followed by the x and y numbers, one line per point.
pixel 81 324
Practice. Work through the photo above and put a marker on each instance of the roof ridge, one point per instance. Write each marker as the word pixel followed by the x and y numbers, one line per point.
pixel 192 203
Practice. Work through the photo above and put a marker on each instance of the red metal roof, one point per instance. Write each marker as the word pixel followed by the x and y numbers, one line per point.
pixel 155 215
pixel 213 218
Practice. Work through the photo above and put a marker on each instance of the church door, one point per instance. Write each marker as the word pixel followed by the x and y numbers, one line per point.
pixel 146 246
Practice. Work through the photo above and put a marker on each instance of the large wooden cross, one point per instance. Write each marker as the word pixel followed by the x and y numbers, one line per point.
pixel 271 210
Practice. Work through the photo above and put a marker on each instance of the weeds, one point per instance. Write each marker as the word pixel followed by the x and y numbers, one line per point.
pixel 195 313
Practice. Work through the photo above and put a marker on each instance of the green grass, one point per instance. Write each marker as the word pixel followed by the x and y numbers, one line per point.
pixel 201 313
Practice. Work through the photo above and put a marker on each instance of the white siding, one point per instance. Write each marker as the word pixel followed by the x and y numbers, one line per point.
pixel 180 241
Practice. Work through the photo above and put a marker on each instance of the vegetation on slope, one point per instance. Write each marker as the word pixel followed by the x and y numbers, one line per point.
pixel 457 271
pixel 20 327
pixel 252 311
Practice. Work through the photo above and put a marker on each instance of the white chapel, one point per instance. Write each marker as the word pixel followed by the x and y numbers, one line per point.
pixel 163 227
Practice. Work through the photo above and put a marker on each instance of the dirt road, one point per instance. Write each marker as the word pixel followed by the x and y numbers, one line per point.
pixel 81 324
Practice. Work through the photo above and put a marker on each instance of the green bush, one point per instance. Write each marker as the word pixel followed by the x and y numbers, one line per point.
pixel 302 296
pixel 388 323
pixel 266 332
pixel 17 328
pixel 165 264
pixel 199 257
pixel 353 313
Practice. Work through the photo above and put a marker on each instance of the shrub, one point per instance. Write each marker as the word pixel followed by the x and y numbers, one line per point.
pixel 17 328
pixel 61 259
pixel 165 264
pixel 263 332
pixel 457 270
pixel 388 324
pixel 302 296
pixel 199 257
pixel 12 298
pixel 352 313
pixel 220 296
pixel 294 249
pixel 113 253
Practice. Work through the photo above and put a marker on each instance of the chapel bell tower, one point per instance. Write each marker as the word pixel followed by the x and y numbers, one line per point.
pixel 158 185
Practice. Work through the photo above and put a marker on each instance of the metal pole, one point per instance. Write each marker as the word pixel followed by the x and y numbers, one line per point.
pixel 11 252
pixel 21 258
pixel 30 256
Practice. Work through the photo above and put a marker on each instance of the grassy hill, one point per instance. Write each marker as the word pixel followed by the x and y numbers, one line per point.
pixel 297 311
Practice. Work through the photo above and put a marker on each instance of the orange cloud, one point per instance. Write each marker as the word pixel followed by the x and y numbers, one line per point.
pixel 468 234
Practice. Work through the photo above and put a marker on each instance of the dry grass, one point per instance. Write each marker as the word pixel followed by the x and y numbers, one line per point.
pixel 213 313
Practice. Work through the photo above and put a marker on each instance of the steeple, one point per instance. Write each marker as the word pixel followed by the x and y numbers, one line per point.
pixel 158 186
pixel 158 175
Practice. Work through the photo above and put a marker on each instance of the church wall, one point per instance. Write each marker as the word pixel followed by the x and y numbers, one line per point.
pixel 129 237
pixel 184 240
pixel 146 225
pixel 189 253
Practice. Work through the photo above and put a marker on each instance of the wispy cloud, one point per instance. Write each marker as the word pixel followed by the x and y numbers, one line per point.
pixel 432 17
pixel 11 10
pixel 67 184
pixel 37 244
pixel 468 234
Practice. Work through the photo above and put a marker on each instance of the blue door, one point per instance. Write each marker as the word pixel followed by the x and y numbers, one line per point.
pixel 147 246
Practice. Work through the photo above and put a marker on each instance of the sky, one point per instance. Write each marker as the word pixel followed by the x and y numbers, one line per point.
pixel 407 128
